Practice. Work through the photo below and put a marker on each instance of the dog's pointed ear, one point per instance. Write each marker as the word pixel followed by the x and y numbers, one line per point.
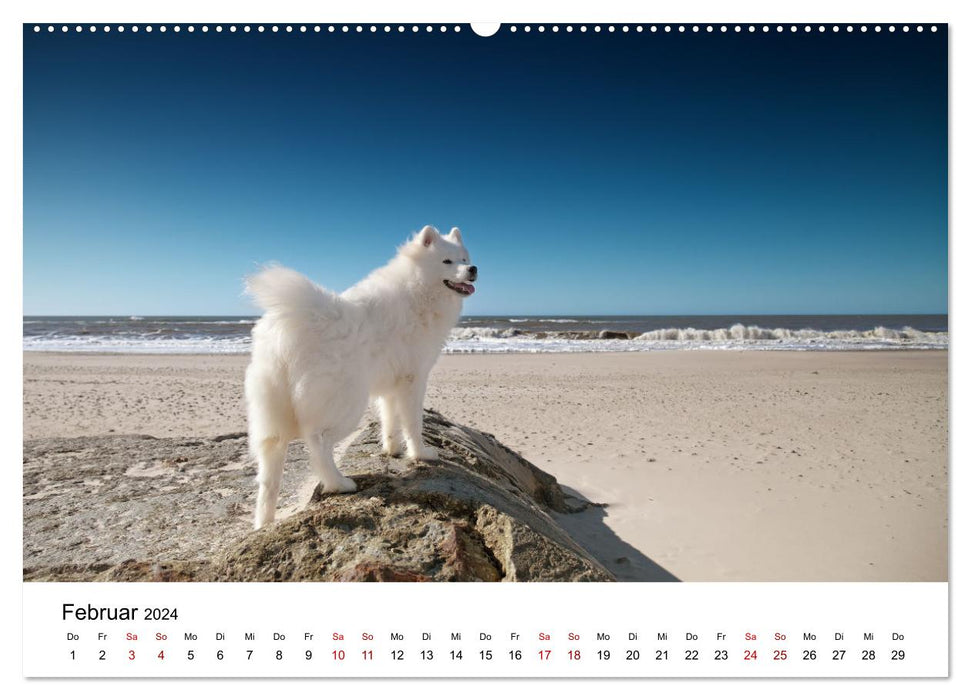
pixel 455 236
pixel 420 243
pixel 426 236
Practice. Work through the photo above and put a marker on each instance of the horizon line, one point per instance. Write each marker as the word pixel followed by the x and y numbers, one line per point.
pixel 529 315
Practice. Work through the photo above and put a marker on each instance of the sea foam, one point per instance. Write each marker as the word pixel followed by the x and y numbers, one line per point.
pixel 735 337
pixel 489 339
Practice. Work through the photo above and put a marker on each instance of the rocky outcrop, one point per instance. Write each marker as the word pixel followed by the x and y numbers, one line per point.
pixel 136 508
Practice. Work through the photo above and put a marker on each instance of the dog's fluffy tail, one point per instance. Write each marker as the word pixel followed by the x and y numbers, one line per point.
pixel 280 289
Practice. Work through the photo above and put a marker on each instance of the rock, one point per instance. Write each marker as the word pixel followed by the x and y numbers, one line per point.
pixel 135 508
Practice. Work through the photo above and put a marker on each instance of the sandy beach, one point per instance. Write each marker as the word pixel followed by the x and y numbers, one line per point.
pixel 713 466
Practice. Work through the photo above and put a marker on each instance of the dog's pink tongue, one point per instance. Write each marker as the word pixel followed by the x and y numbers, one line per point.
pixel 469 288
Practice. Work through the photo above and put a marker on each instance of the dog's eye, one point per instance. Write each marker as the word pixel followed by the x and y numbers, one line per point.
pixel 447 262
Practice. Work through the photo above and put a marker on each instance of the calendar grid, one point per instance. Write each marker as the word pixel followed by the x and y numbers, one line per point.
pixel 478 630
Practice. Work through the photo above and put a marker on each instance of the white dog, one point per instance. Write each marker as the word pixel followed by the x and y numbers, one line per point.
pixel 318 356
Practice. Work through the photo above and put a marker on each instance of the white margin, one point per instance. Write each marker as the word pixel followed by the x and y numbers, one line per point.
pixel 418 11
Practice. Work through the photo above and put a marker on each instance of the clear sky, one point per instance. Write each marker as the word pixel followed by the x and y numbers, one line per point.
pixel 590 173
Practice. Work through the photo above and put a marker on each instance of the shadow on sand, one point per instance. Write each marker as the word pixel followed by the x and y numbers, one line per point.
pixel 625 562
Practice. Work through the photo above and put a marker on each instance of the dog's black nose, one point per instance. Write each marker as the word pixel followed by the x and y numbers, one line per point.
pixel 473 273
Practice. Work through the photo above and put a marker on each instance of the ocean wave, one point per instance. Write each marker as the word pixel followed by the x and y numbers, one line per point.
pixel 146 344
pixel 141 321
pixel 742 332
pixel 736 337
pixel 550 320
pixel 476 332
pixel 187 322
pixel 513 340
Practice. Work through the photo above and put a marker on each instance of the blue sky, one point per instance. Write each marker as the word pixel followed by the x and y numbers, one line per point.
pixel 610 173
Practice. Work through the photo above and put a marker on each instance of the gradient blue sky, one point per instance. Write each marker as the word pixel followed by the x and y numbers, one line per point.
pixel 590 174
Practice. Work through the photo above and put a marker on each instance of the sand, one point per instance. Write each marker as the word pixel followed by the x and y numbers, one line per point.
pixel 714 466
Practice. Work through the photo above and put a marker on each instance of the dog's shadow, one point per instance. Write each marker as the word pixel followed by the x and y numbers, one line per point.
pixel 623 560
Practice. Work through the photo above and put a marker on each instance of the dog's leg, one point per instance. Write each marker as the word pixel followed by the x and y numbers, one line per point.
pixel 322 460
pixel 270 454
pixel 390 430
pixel 409 403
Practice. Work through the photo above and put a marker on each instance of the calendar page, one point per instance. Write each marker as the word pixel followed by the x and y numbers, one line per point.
pixel 513 350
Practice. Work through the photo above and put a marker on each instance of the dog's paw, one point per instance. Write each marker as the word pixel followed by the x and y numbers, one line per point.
pixel 345 485
pixel 392 448
pixel 426 453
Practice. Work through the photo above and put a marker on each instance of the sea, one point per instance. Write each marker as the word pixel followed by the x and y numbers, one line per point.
pixel 218 335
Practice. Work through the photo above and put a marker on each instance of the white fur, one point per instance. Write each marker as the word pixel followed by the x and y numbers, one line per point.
pixel 319 356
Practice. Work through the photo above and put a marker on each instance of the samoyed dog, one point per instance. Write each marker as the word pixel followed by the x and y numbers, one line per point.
pixel 318 357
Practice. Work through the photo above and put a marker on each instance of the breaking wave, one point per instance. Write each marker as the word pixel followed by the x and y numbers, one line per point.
pixel 230 336
pixel 736 337
pixel 548 320
pixel 144 344
pixel 740 332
